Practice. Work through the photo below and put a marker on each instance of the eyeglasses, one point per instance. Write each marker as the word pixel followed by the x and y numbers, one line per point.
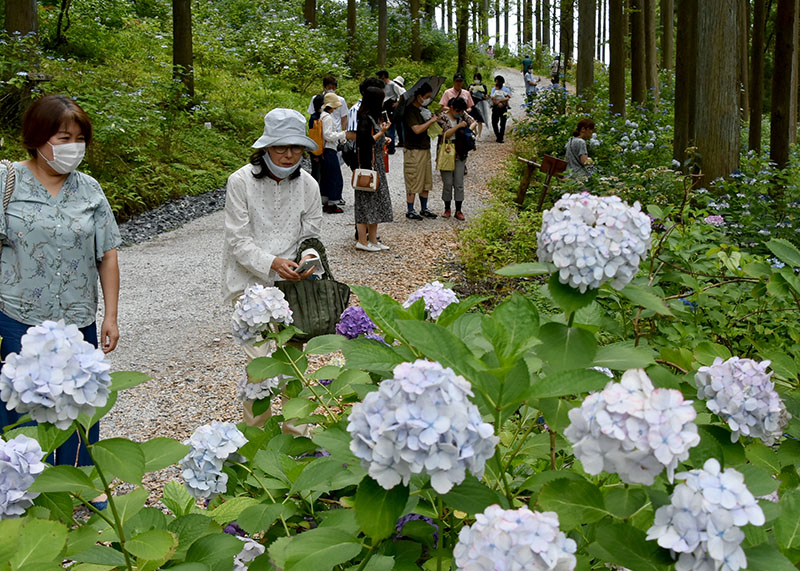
pixel 283 149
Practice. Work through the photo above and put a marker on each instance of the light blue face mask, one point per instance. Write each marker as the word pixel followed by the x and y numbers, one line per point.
pixel 279 172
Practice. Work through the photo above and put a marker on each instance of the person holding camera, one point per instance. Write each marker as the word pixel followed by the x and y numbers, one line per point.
pixel 455 121
pixel 501 96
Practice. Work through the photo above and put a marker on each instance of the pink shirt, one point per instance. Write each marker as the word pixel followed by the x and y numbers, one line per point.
pixel 451 94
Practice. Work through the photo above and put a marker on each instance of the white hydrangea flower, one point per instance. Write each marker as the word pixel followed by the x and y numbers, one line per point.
pixel 211 445
pixel 742 394
pixel 267 388
pixel 436 296
pixel 703 519
pixel 20 464
pixel 514 540
pixel 421 421
pixel 633 429
pixel 250 550
pixel 594 239
pixel 56 375
pixel 256 309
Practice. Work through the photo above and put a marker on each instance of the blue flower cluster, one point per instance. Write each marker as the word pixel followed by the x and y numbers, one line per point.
pixel 56 375
pixel 436 296
pixel 354 322
pixel 421 421
pixel 20 464
pixel 211 445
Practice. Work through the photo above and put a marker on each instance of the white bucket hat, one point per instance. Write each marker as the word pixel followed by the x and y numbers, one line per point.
pixel 284 127
pixel 400 81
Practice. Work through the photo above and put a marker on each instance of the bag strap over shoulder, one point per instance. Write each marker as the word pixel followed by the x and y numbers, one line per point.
pixel 11 176
pixel 316 244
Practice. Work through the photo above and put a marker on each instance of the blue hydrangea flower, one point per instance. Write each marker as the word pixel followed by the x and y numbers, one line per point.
pixel 354 322
pixel 211 445
pixel 56 375
pixel 417 517
pixel 250 550
pixel 20 464
pixel 257 309
pixel 421 421
pixel 436 296
pixel 514 539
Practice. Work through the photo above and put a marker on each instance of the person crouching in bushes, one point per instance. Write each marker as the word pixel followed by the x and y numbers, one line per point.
pixel 455 120
pixel 272 207
pixel 331 182
pixel 579 164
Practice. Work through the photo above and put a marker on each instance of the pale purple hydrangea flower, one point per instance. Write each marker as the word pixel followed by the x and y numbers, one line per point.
pixel 714 220
pixel 211 445
pixel 56 376
pixel 702 523
pixel 250 550
pixel 593 240
pixel 417 517
pixel 421 421
pixel 632 429
pixel 20 464
pixel 742 394
pixel 436 296
pixel 257 309
pixel 354 322
pixel 514 539
pixel 247 391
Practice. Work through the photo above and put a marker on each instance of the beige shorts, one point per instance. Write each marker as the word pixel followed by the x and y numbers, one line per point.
pixel 417 170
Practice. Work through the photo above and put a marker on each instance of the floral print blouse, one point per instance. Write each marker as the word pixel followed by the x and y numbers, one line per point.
pixel 51 248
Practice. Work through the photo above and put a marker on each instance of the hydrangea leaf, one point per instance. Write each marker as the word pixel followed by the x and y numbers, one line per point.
pixel 438 344
pixel 785 251
pixel 576 502
pixel 230 510
pixel 153 545
pixel 371 355
pixel 645 298
pixel 565 347
pixel 767 557
pixel 380 308
pixel 625 545
pixel 787 526
pixel 571 382
pixel 40 542
pixel 162 452
pixel 759 480
pixel 623 356
pixel 262 368
pixel 323 344
pixel 469 328
pixel 189 528
pixel 320 549
pixel 317 475
pixel 456 310
pixel 536 482
pixel 120 457
pixel 177 499
pixel 377 510
pixel 210 549
pixel 473 496
pixel 567 297
pixel 100 555
pixel 256 519
pixel 128 505
pixel 705 352
pixel 65 479
pixel 624 502
pixel 122 380
pixel 525 270
pixel 520 323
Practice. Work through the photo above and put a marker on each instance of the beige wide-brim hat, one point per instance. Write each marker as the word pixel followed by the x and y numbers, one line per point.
pixel 284 127
pixel 331 100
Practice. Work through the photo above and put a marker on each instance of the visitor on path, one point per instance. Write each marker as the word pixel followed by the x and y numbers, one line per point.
pixel 457 91
pixel 579 164
pixel 316 160
pixel 501 95
pixel 372 208
pixel 392 94
pixel 329 85
pixel 455 121
pixel 331 182
pixel 555 70
pixel 527 64
pixel 531 83
pixel 417 152
pixel 271 207
pixel 58 236
pixel 480 95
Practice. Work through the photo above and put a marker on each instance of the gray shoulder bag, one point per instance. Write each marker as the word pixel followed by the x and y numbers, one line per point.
pixel 10 179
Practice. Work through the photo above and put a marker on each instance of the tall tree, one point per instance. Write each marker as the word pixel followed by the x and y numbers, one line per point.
pixel 351 28
pixel 462 19
pixel 651 54
pixel 717 99
pixel 567 23
pixel 506 11
pixel 21 16
pixel 382 32
pixel 685 79
pixel 182 56
pixel 310 12
pixel 526 23
pixel 742 60
pixel 416 48
pixel 497 22
pixel 585 73
pixel 667 25
pixel 638 62
pixel 450 16
pixel 616 67
pixel 546 23
pixel 780 119
pixel 757 75
pixel 484 21
pixel 537 13
pixel 430 12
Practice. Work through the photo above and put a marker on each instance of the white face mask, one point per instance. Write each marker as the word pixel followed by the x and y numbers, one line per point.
pixel 66 157
pixel 277 171
pixel 427 101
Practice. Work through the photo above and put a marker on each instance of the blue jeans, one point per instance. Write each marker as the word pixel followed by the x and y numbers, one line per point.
pixel 71 452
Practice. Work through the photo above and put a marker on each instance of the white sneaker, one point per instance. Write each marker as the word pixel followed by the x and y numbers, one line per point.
pixel 368 247
pixel 379 245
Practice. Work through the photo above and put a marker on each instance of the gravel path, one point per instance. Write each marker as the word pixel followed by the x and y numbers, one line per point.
pixel 175 328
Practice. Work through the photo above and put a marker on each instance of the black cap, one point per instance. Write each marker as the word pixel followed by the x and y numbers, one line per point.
pixel 458 77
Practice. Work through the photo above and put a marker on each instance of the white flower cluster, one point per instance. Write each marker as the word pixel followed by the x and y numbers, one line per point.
pixel 741 392
pixel 436 297
pixel 20 464
pixel 265 389
pixel 632 429
pixel 421 421
pixel 211 445
pixel 702 522
pixel 250 550
pixel 56 376
pixel 594 239
pixel 256 309
pixel 514 540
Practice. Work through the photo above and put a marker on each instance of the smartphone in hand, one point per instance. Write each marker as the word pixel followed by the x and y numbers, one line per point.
pixel 385 117
pixel 307 265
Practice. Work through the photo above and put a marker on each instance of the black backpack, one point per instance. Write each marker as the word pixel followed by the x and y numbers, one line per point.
pixel 350 154
pixel 398 121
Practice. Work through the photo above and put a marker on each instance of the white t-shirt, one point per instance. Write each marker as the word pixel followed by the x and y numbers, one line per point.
pixel 338 114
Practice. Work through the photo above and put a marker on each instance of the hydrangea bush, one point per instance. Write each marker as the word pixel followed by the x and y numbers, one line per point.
pixel 256 310
pixel 436 296
pixel 593 240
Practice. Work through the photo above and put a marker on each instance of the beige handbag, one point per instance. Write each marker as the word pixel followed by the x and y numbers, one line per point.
pixel 365 179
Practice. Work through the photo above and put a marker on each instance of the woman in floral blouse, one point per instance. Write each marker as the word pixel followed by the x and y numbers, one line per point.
pixel 58 235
